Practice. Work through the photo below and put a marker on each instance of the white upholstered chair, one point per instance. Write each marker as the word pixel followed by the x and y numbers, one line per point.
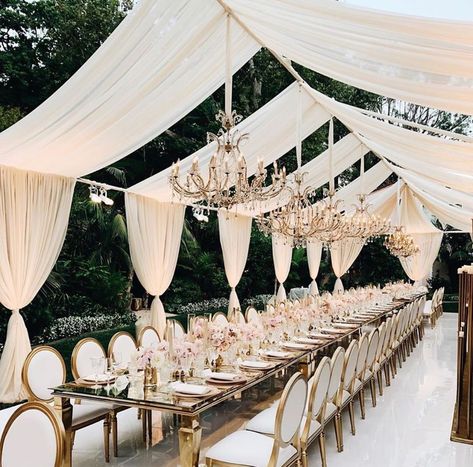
pixel 44 369
pixel 121 347
pixel 33 436
pixel 252 316
pixel 178 331
pixel 331 410
pixel 250 448
pixel 344 397
pixel 360 372
pixel 379 357
pixel 220 319
pixel 313 420
pixel 236 316
pixel 148 338
pixel 370 362
pixel 81 360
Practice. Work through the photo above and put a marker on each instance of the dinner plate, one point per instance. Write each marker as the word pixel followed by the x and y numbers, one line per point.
pixel 183 395
pixel 277 354
pixel 257 365
pixel 240 380
pixel 102 379
pixel 296 346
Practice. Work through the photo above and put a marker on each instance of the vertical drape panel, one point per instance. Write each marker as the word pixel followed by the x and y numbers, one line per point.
pixel 314 255
pixel 343 254
pixel 34 213
pixel 154 234
pixel 282 257
pixel 419 266
pixel 235 234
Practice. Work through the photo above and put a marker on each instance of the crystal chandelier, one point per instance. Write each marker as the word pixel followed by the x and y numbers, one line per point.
pixel 227 183
pixel 401 244
pixel 364 225
pixel 299 220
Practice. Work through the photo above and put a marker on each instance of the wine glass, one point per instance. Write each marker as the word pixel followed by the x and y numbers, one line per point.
pixel 108 370
pixel 97 367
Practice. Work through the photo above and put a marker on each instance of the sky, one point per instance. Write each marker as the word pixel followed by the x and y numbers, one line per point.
pixel 447 9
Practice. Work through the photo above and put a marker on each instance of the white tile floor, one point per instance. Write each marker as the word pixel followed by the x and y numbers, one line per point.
pixel 410 427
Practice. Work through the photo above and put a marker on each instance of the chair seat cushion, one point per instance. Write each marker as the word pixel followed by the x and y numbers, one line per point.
pixel 248 448
pixel 84 412
pixel 330 410
pixel 264 421
pixel 357 385
pixel 314 426
pixel 368 375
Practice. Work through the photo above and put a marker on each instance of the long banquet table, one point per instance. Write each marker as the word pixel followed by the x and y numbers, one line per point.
pixel 163 399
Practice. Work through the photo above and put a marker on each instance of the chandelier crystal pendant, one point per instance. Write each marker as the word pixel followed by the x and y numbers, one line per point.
pixel 401 244
pixel 227 183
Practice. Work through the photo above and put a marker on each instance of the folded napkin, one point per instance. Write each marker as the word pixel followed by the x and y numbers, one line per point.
pixel 306 340
pixel 191 389
pixel 222 376
pixel 344 325
pixel 277 354
pixel 331 330
pixel 295 345
pixel 255 364
pixel 99 378
pixel 318 335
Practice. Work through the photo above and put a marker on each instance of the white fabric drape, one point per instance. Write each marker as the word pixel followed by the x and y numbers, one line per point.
pixel 447 161
pixel 282 257
pixel 235 234
pixel 271 135
pixel 421 60
pixel 426 236
pixel 343 254
pixel 161 62
pixel 34 212
pixel 154 235
pixel 314 255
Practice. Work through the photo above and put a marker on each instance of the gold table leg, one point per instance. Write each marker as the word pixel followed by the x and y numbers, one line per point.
pixel 190 435
pixel 63 408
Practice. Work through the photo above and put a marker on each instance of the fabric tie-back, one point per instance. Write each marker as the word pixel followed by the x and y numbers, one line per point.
pixel 314 255
pixel 235 234
pixel 34 213
pixel 154 235
pixel 282 257
pixel 343 254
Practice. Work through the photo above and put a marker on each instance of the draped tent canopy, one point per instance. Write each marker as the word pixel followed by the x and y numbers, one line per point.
pixel 163 60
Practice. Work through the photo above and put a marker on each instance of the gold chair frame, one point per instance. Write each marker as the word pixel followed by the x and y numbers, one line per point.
pixel 278 441
pixel 142 332
pixel 59 432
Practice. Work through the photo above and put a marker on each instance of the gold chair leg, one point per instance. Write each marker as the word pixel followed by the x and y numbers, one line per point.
pixel 373 391
pixel 106 438
pixel 114 434
pixel 379 377
pixel 323 452
pixel 399 356
pixel 387 372
pixel 361 396
pixel 304 457
pixel 338 424
pixel 351 411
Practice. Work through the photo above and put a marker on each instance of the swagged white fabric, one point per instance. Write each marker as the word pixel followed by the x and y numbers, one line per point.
pixel 314 255
pixel 426 236
pixel 420 60
pixel 161 62
pixel 34 213
pixel 447 161
pixel 272 134
pixel 235 233
pixel 154 235
pixel 282 257
pixel 343 254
